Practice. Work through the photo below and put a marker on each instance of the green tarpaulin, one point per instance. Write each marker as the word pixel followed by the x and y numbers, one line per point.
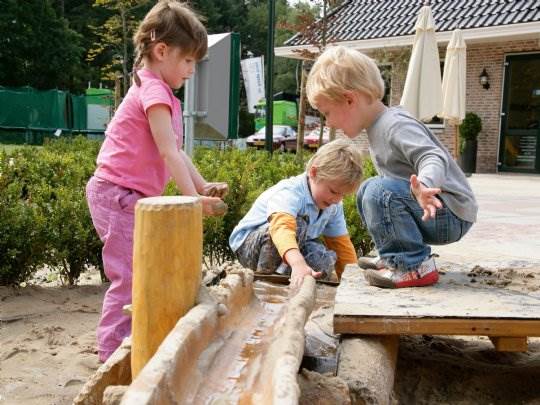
pixel 28 115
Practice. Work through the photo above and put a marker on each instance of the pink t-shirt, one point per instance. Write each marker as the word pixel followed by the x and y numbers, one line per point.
pixel 129 156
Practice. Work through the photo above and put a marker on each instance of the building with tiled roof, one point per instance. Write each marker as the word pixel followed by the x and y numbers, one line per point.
pixel 502 36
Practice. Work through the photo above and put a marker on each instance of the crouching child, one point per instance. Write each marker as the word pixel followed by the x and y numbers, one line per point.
pixel 282 230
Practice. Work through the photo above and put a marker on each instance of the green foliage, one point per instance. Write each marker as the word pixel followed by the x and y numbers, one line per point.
pixel 45 219
pixel 43 211
pixel 470 127
pixel 246 120
pixel 359 234
pixel 21 240
pixel 37 47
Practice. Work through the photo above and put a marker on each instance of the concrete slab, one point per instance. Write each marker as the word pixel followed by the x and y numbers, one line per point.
pixel 508 229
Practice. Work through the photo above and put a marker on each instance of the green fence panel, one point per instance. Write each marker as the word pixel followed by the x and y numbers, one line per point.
pixel 79 112
pixel 26 107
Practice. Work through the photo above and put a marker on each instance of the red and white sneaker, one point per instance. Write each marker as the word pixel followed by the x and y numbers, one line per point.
pixel 368 262
pixel 426 274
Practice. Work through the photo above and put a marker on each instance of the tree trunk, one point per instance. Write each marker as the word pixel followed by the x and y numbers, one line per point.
pixel 332 134
pixel 301 116
pixel 321 132
pixel 125 49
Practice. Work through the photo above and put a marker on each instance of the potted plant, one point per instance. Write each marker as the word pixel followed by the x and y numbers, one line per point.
pixel 468 134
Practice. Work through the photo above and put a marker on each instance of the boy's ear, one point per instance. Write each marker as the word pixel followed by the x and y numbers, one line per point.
pixel 349 97
pixel 312 172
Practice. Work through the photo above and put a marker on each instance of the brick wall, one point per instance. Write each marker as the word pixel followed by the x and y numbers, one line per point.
pixel 485 103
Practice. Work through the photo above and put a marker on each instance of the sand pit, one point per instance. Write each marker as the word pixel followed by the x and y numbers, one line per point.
pixel 47 349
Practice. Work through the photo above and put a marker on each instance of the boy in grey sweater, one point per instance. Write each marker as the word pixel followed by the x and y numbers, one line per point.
pixel 420 197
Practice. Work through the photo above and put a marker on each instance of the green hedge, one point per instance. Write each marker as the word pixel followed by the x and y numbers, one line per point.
pixel 45 220
pixel 43 213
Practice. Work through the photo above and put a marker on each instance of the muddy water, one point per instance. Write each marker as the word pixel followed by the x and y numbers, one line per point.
pixel 236 356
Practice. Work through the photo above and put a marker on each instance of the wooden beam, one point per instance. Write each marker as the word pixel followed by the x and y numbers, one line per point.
pixel 346 324
pixel 167 257
pixel 509 344
pixel 280 279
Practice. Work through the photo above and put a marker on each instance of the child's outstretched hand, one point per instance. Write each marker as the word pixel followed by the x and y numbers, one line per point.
pixel 426 197
pixel 219 190
pixel 299 272
pixel 213 206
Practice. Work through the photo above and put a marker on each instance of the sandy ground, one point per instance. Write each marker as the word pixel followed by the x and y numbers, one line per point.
pixel 47 340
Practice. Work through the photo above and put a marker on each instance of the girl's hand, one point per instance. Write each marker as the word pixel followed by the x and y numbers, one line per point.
pixel 213 206
pixel 219 190
pixel 426 197
pixel 299 272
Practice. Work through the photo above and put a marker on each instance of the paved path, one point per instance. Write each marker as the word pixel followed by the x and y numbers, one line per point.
pixel 508 227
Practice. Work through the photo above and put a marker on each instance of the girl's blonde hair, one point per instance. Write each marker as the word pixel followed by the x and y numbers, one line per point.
pixel 173 23
pixel 339 69
pixel 338 161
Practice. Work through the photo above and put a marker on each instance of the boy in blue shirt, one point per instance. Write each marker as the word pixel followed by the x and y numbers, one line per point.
pixel 281 230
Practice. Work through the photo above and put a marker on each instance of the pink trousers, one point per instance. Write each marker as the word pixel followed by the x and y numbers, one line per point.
pixel 112 210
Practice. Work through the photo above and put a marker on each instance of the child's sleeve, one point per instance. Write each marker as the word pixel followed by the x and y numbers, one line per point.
pixel 282 210
pixel 336 237
pixel 152 93
pixel 344 249
pixel 282 230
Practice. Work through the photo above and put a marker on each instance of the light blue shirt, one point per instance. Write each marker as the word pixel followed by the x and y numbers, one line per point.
pixel 291 196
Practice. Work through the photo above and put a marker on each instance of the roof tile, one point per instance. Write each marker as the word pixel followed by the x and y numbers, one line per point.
pixel 366 19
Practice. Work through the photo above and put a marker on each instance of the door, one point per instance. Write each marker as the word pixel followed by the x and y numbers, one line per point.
pixel 520 125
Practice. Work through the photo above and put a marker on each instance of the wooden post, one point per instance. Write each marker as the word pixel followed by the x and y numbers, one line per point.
pixel 368 365
pixel 301 116
pixel 456 143
pixel 509 344
pixel 167 257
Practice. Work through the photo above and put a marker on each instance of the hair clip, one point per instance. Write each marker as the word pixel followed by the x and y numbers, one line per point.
pixel 153 35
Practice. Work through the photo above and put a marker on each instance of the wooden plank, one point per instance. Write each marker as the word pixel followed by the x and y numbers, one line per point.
pixel 447 299
pixel 509 344
pixel 280 279
pixel 345 324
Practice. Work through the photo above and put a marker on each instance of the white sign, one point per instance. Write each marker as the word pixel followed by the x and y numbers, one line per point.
pixel 253 72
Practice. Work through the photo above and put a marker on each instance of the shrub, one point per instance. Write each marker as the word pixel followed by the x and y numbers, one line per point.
pixel 45 219
pixel 44 213
pixel 22 240
pixel 470 127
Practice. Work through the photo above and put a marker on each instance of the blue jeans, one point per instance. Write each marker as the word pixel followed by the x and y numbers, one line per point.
pixel 393 218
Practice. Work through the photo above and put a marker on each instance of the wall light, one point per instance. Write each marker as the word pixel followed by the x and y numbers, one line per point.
pixel 484 79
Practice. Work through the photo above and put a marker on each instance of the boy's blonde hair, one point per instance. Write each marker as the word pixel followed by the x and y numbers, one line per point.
pixel 339 161
pixel 173 23
pixel 339 69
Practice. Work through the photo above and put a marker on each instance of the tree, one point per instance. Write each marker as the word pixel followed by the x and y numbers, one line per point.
pixel 315 33
pixel 115 36
pixel 37 47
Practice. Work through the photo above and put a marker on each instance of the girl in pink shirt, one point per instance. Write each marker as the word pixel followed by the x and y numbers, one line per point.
pixel 142 150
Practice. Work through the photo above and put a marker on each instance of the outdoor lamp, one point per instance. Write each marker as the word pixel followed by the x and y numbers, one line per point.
pixel 484 79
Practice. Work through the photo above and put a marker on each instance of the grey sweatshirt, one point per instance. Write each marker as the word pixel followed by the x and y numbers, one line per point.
pixel 401 146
